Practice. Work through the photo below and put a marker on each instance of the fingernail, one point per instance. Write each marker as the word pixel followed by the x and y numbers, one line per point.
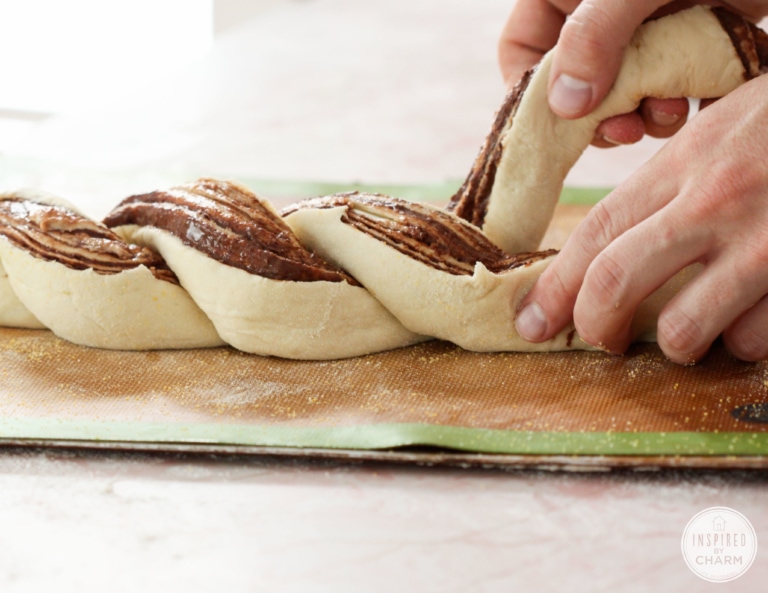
pixel 612 141
pixel 569 95
pixel 664 119
pixel 531 323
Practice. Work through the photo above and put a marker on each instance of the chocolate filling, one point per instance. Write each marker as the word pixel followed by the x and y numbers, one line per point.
pixel 230 224
pixel 471 200
pixel 749 41
pixel 55 233
pixel 428 235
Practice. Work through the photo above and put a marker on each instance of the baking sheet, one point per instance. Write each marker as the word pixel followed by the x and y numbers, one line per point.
pixel 432 394
pixel 432 403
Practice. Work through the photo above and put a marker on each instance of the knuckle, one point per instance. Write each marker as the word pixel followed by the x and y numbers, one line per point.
pixel 755 258
pixel 607 281
pixel 556 292
pixel 586 49
pixel 600 227
pixel 723 193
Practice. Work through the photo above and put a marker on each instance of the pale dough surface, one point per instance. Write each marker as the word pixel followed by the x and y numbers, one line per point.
pixel 476 312
pixel 131 310
pixel 303 320
pixel 13 313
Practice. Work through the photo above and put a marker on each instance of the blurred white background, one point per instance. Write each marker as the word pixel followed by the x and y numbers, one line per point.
pixel 67 57
pixel 63 56
pixel 103 99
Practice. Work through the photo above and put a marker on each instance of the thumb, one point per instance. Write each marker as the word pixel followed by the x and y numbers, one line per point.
pixel 589 52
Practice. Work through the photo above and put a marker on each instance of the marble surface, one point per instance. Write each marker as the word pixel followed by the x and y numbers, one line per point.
pixel 335 90
pixel 128 522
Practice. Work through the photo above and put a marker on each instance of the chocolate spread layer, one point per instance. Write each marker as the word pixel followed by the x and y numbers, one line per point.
pixel 228 223
pixel 431 236
pixel 471 200
pixel 55 233
pixel 749 41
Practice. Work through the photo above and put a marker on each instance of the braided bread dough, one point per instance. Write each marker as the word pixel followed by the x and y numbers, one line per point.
pixel 686 54
pixel 130 310
pixel 475 309
pixel 210 263
pixel 313 320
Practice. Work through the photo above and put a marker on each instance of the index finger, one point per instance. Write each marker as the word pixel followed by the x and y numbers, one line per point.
pixel 531 30
pixel 549 305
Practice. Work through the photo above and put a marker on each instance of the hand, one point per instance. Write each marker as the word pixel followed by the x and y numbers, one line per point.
pixel 701 199
pixel 592 40
pixel 589 55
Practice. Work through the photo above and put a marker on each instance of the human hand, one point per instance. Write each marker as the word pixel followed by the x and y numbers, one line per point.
pixel 591 41
pixel 701 199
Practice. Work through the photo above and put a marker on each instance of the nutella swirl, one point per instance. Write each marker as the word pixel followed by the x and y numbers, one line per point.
pixel 749 41
pixel 429 235
pixel 230 224
pixel 470 202
pixel 55 233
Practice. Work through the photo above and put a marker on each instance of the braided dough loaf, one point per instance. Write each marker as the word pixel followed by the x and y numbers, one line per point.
pixel 350 274
pixel 263 291
pixel 439 274
pixel 87 285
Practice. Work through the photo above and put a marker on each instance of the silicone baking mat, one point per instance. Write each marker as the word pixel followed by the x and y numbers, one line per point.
pixel 433 394
pixel 430 403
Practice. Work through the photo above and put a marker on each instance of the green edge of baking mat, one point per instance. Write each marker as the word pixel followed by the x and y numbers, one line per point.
pixel 384 436
pixel 433 192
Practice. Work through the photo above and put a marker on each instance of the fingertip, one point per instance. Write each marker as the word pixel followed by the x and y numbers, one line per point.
pixel 681 338
pixel 628 128
pixel 684 358
pixel 616 342
pixel 673 108
pixel 531 322
pixel 546 310
pixel 664 117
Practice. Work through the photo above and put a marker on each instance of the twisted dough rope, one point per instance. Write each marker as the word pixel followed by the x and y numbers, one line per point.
pixel 84 282
pixel 514 185
pixel 91 286
pixel 249 282
pixel 263 290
